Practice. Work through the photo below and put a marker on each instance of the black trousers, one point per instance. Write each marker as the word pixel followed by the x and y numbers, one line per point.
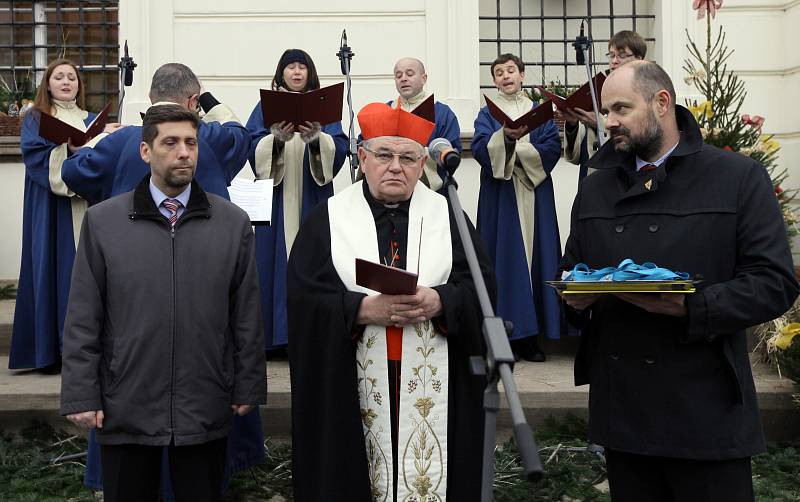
pixel 644 478
pixel 132 472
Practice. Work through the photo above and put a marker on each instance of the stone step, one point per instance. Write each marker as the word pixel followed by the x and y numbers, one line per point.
pixel 6 322
pixel 546 390
pixel 567 345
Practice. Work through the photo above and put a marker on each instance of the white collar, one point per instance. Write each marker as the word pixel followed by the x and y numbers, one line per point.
pixel 414 100
pixel 159 196
pixel 640 162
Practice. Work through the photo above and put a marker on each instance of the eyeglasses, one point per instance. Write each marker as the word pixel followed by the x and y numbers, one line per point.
pixel 385 158
pixel 621 57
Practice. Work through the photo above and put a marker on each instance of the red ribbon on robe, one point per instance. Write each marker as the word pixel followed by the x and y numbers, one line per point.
pixel 394 343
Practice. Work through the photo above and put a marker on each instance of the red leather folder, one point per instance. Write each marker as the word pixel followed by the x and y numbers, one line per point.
pixel 426 110
pixel 52 129
pixel 533 119
pixel 383 279
pixel 322 105
pixel 581 98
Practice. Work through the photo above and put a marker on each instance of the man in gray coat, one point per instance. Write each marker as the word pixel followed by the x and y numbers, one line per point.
pixel 162 340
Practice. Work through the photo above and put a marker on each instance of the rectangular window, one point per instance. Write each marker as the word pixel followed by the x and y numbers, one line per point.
pixel 33 33
pixel 541 32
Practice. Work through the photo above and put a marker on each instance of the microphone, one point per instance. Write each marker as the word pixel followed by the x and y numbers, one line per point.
pixel 127 65
pixel 444 154
pixel 344 54
pixel 580 43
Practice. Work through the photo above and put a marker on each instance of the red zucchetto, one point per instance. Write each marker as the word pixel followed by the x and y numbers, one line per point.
pixel 379 119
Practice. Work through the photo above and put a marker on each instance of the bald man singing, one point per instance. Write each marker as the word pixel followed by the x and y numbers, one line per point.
pixel 410 79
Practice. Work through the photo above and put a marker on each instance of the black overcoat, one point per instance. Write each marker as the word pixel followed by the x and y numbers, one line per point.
pixel 668 386
pixel 329 460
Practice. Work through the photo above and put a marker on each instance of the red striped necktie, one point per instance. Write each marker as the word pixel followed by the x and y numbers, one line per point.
pixel 648 167
pixel 172 205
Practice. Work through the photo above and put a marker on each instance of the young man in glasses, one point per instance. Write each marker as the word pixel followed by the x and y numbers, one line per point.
pixel 580 126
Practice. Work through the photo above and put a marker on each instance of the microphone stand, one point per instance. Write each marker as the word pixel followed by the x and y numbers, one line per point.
pixel 498 364
pixel 126 66
pixel 345 55
pixel 582 44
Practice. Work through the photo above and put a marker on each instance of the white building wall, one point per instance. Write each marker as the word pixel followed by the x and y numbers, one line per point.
pixel 765 37
pixel 12 183
pixel 233 46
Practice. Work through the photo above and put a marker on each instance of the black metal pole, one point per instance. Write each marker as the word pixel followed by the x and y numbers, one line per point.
pixel 126 66
pixel 497 366
pixel 345 55
pixel 582 44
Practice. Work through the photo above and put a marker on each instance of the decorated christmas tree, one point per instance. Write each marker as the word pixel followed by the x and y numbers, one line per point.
pixel 723 124
pixel 720 113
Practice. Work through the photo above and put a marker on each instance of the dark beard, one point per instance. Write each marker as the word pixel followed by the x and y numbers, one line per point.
pixel 644 145
pixel 177 181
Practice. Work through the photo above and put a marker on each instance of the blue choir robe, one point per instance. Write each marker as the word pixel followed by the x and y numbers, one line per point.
pixel 48 244
pixel 302 178
pixel 114 166
pixel 524 245
pixel 446 127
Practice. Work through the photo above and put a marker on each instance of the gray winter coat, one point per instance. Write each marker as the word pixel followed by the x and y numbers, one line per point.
pixel 163 329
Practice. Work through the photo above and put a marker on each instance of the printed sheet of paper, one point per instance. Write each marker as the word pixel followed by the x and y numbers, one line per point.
pixel 254 197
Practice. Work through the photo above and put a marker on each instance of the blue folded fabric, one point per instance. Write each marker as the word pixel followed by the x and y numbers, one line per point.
pixel 626 271
pixel 582 272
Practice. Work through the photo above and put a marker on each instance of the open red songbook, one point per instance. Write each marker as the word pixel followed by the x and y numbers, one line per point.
pixel 52 129
pixel 581 98
pixel 533 119
pixel 383 279
pixel 426 110
pixel 322 105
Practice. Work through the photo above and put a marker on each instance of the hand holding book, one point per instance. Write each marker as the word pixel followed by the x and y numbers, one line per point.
pixel 581 98
pixel 53 129
pixel 537 116
pixel 321 105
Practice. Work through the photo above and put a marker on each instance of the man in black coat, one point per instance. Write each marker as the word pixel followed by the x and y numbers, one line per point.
pixel 383 403
pixel 672 396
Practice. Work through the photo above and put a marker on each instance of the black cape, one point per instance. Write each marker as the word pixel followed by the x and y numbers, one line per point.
pixel 329 460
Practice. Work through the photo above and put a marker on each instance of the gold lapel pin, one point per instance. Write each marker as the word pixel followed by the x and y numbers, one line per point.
pixel 648 184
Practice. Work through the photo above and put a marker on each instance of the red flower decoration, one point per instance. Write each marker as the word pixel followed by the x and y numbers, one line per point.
pixel 726 147
pixel 756 121
pixel 778 190
pixel 701 6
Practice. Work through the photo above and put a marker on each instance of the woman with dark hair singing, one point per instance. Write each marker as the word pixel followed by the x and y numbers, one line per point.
pixel 302 164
